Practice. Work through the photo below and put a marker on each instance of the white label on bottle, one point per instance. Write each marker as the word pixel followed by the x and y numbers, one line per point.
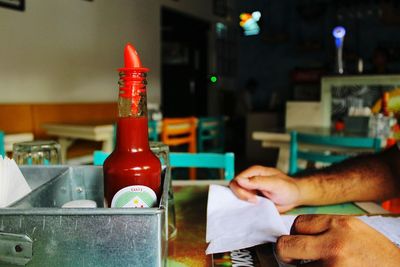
pixel 135 196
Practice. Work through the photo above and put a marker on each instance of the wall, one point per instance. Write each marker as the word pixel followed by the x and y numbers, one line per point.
pixel 69 51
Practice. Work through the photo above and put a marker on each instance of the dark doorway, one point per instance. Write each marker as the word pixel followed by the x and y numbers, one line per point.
pixel 184 64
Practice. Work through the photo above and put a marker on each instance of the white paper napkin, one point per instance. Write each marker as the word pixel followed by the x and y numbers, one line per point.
pixel 13 185
pixel 236 224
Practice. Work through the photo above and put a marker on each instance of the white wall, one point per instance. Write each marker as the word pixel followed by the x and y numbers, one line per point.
pixel 69 50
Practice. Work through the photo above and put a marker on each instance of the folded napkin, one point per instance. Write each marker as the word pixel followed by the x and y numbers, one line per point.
pixel 236 224
pixel 13 185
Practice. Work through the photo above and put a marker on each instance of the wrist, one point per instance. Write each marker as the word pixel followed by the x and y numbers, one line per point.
pixel 308 191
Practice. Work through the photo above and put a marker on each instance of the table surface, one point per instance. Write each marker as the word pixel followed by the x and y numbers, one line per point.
pixel 280 138
pixel 322 131
pixel 85 130
pixel 188 247
pixel 67 133
pixel 89 130
pixel 12 138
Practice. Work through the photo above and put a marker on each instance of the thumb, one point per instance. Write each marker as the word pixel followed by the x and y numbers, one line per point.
pixel 284 208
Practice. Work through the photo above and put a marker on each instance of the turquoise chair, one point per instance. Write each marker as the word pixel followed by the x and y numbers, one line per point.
pixel 153 135
pixel 210 134
pixel 224 161
pixel 2 149
pixel 190 160
pixel 333 142
pixel 99 157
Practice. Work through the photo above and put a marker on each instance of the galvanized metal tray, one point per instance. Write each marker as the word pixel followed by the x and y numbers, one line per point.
pixel 36 231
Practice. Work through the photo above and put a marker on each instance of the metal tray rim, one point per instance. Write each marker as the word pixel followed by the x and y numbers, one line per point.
pixel 88 211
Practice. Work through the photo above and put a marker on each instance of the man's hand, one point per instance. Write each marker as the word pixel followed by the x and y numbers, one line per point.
pixel 272 183
pixel 336 241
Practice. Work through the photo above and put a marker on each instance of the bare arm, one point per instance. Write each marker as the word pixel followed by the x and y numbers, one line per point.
pixel 330 240
pixel 363 178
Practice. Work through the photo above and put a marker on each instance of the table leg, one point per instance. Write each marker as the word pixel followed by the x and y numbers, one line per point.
pixel 283 153
pixel 283 158
pixel 65 143
pixel 107 145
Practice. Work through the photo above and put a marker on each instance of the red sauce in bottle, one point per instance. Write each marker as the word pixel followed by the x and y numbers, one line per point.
pixel 132 172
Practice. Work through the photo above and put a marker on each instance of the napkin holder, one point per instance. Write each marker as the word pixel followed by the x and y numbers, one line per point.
pixel 36 231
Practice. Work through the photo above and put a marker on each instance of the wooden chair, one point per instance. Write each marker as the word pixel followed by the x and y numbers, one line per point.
pixel 210 134
pixel 226 161
pixel 327 149
pixel 177 132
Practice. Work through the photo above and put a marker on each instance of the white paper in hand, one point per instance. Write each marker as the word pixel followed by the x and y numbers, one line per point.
pixel 236 224
pixel 13 185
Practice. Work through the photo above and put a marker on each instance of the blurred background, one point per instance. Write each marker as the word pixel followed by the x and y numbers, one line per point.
pixel 240 60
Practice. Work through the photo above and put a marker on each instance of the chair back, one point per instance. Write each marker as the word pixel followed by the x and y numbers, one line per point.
pixel 2 146
pixel 224 161
pixel 327 149
pixel 99 157
pixel 179 131
pixel 190 160
pixel 153 133
pixel 210 134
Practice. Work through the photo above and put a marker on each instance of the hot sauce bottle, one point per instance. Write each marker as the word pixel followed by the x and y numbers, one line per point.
pixel 132 173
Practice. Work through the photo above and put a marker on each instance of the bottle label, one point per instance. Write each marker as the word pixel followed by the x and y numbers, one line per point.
pixel 135 196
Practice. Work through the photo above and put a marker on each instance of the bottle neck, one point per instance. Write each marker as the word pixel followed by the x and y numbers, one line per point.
pixel 132 134
pixel 132 101
pixel 132 126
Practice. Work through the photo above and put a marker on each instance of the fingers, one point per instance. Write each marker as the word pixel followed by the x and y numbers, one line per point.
pixel 261 178
pixel 259 183
pixel 242 193
pixel 270 182
pixel 245 191
pixel 256 171
pixel 318 238
pixel 291 248
pixel 312 224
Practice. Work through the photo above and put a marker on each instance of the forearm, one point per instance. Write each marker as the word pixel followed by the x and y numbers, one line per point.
pixel 363 178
